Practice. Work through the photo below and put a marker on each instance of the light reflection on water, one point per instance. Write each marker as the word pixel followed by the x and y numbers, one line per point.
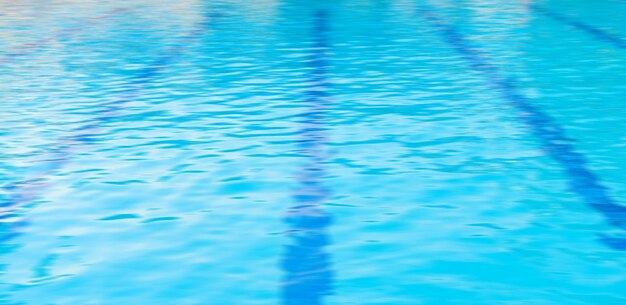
pixel 149 153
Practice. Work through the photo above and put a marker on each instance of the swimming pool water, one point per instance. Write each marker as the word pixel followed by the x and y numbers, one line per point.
pixel 312 152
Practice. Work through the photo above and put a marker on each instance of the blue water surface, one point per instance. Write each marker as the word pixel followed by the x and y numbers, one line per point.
pixel 344 152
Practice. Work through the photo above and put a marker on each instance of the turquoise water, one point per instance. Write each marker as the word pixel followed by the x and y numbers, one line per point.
pixel 312 152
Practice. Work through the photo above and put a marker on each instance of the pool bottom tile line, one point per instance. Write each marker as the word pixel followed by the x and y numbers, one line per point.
pixel 30 48
pixel 308 275
pixel 21 193
pixel 551 136
pixel 593 31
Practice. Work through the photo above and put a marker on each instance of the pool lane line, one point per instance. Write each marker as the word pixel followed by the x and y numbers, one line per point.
pixel 20 193
pixel 308 275
pixel 595 32
pixel 32 47
pixel 581 179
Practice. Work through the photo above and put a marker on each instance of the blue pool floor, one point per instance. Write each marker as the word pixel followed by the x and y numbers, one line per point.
pixel 307 153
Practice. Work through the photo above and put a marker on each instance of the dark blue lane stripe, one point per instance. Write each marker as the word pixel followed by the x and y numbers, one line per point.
pixel 307 265
pixel 582 181
pixel 32 47
pixel 599 34
pixel 23 192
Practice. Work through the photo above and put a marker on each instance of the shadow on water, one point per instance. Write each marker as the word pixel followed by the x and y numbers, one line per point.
pixel 307 265
pixel 551 136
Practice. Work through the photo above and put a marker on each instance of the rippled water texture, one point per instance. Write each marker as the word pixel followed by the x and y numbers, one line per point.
pixel 291 152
